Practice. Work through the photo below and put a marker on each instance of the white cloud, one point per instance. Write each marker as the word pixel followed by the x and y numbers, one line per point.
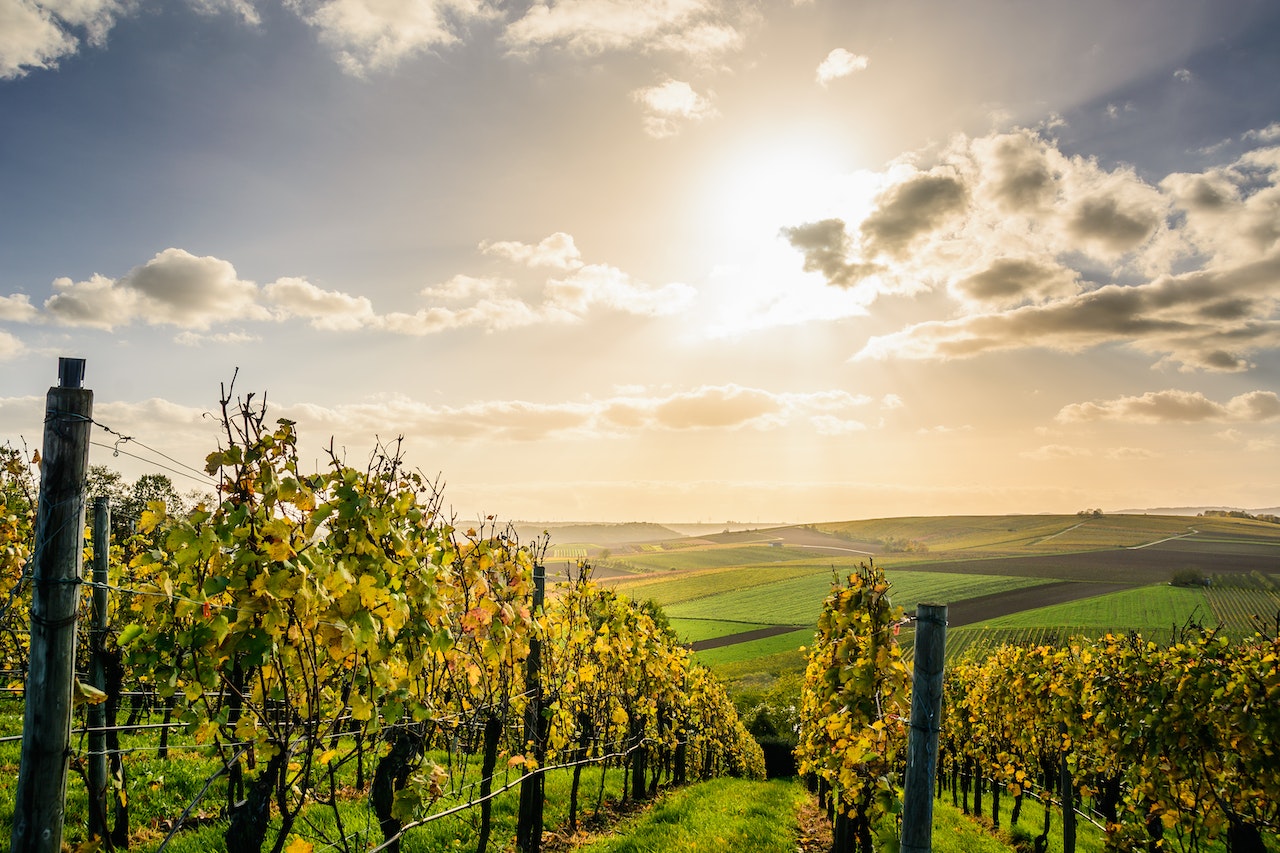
pixel 245 10
pixel 326 309
pixel 375 35
pixel 1174 406
pixel 840 63
pixel 610 287
pixel 692 27
pixel 38 33
pixel 10 347
pixel 195 294
pixel 1183 75
pixel 17 308
pixel 175 287
pixel 1270 133
pixel 669 105
pixel 195 339
pixel 462 287
pixel 1055 451
pixel 557 251
pixel 1039 249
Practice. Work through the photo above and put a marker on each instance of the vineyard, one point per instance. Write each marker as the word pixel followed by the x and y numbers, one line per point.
pixel 348 667
pixel 1172 746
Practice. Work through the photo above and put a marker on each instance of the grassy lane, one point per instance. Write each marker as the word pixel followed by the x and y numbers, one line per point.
pixel 721 815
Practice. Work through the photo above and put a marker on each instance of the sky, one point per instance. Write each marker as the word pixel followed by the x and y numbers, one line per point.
pixel 662 260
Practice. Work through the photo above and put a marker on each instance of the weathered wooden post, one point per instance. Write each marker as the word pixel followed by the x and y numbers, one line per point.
pixel 529 820
pixel 97 713
pixel 926 717
pixel 55 594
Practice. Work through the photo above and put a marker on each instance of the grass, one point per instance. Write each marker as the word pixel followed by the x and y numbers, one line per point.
pixel 753 649
pixel 708 582
pixel 798 601
pixel 720 815
pixel 693 630
pixel 1146 609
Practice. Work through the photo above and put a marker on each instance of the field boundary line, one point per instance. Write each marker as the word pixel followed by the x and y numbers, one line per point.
pixel 1193 532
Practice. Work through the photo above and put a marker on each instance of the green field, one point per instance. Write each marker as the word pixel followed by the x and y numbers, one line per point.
pixel 1145 609
pixel 798 601
pixel 693 630
pixel 716 588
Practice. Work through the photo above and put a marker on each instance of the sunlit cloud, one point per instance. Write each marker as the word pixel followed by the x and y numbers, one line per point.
pixel 1174 406
pixel 557 251
pixel 1038 249
pixel 10 346
pixel 173 288
pixel 691 27
pixel 17 308
pixel 669 105
pixel 1122 454
pixel 840 63
pixel 196 339
pixel 1056 451
pixel 375 35
pixel 37 34
pixel 194 293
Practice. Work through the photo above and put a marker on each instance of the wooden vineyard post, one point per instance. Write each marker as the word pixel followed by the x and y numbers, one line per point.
pixel 97 714
pixel 55 594
pixel 926 717
pixel 529 821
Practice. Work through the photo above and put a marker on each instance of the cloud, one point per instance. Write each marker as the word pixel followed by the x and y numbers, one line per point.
pixel 840 63
pixel 175 287
pixel 711 407
pixel 1120 454
pixel 376 35
pixel 1173 406
pixel 1040 249
pixel 1013 281
pixel 17 308
pixel 1183 75
pixel 911 208
pixel 195 339
pixel 1270 133
pixel 37 34
pixel 692 27
pixel 1203 320
pixel 326 309
pixel 610 287
pixel 462 287
pixel 557 251
pixel 193 293
pixel 10 346
pixel 669 105
pixel 1055 451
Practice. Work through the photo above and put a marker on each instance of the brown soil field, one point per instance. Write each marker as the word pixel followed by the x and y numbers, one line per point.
pixel 744 636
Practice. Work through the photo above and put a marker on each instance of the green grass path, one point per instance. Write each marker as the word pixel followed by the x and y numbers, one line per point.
pixel 739 816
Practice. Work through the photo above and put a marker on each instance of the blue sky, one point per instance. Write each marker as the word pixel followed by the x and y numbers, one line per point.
pixel 686 260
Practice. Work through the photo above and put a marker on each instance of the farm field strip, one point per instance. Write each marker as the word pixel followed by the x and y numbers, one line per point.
pixel 693 630
pixel 781 643
pixel 1144 609
pixel 1235 608
pixel 712 557
pixel 799 601
pixel 710 582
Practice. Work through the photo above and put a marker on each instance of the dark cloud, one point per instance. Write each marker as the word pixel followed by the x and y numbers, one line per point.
pixel 826 246
pixel 910 209
pixel 1009 281
pixel 1021 179
pixel 1117 226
